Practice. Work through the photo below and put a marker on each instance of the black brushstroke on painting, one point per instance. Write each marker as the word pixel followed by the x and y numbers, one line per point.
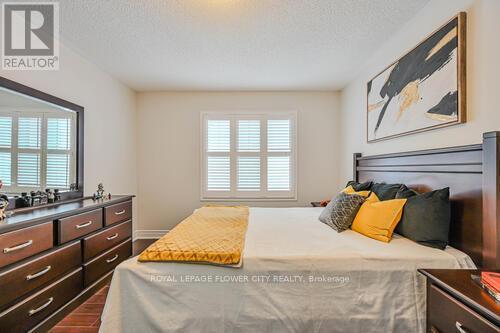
pixel 414 65
pixel 447 106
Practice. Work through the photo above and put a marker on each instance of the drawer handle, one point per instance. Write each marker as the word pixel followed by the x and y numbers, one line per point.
pixel 460 328
pixel 112 237
pixel 18 247
pixel 83 225
pixel 109 261
pixel 42 272
pixel 121 212
pixel 33 311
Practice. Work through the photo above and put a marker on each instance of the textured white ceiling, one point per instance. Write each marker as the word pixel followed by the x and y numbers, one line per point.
pixel 231 44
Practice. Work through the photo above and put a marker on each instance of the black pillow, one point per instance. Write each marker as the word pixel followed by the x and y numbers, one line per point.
pixel 426 218
pixel 385 191
pixel 405 192
pixel 366 186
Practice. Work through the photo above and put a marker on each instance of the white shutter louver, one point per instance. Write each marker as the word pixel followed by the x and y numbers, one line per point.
pixel 6 156
pixel 218 173
pixel 59 133
pixel 5 132
pixel 248 173
pixel 218 136
pixel 278 173
pixel 58 170
pixel 278 135
pixel 5 167
pixel 28 169
pixel 248 135
pixel 278 167
pixel 29 133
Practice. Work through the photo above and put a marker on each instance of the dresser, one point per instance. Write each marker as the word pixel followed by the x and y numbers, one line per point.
pixel 54 258
pixel 455 303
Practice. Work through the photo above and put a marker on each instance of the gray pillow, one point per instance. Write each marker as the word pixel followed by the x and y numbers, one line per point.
pixel 341 211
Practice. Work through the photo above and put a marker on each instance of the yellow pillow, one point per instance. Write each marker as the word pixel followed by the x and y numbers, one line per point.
pixel 371 195
pixel 378 219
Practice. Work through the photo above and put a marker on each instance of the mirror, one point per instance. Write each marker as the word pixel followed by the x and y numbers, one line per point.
pixel 40 150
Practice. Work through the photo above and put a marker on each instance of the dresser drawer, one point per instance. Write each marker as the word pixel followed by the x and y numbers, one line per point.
pixel 448 315
pixel 118 213
pixel 106 262
pixel 20 244
pixel 76 226
pixel 33 273
pixel 103 240
pixel 30 311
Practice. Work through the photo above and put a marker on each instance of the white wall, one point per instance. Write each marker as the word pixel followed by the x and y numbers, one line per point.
pixel 110 118
pixel 483 84
pixel 169 147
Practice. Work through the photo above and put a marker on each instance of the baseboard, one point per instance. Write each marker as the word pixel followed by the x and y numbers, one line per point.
pixel 149 234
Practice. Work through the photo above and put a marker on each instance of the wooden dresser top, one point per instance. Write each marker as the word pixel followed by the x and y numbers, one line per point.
pixel 30 217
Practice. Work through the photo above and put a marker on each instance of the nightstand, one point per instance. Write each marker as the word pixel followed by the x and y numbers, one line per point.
pixel 455 303
pixel 316 204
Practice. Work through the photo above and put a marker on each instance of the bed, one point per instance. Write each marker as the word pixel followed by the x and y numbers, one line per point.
pixel 300 276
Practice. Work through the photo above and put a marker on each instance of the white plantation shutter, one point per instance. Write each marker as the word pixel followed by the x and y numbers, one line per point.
pixel 59 133
pixel 58 170
pixel 219 173
pixel 29 135
pixel 37 149
pixel 248 135
pixel 278 173
pixel 29 142
pixel 5 168
pixel 278 135
pixel 218 136
pixel 249 173
pixel 28 170
pixel 248 155
pixel 278 165
pixel 5 132
pixel 58 165
pixel 5 146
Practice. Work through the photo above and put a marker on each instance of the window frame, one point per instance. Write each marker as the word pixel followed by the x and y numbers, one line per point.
pixel 44 114
pixel 263 194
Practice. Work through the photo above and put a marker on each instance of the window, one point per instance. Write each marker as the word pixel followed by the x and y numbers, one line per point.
pixel 248 155
pixel 37 150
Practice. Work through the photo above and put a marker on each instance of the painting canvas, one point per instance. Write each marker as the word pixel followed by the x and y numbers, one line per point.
pixel 424 89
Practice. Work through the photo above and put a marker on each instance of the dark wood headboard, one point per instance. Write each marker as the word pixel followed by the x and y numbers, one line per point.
pixel 473 175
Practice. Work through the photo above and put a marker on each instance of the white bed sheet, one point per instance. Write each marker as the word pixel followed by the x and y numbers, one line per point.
pixel 298 275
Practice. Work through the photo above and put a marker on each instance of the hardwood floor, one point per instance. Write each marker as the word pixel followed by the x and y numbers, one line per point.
pixel 87 317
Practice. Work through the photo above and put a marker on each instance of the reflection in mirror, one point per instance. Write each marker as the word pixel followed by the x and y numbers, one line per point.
pixel 37 145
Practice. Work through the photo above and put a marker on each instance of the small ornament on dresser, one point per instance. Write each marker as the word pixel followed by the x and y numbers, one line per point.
pixel 23 201
pixel 4 203
pixel 100 195
pixel 57 195
pixel 50 196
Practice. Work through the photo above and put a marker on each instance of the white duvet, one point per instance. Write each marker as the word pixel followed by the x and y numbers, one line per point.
pixel 298 275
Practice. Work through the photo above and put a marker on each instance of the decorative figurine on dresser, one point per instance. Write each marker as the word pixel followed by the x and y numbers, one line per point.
pixel 99 194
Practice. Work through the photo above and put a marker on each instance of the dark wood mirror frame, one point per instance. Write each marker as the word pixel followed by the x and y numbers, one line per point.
pixel 37 94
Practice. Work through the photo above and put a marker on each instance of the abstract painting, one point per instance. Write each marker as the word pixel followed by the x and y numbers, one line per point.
pixel 424 89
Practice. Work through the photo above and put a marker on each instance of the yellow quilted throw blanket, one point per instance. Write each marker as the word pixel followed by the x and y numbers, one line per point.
pixel 212 234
